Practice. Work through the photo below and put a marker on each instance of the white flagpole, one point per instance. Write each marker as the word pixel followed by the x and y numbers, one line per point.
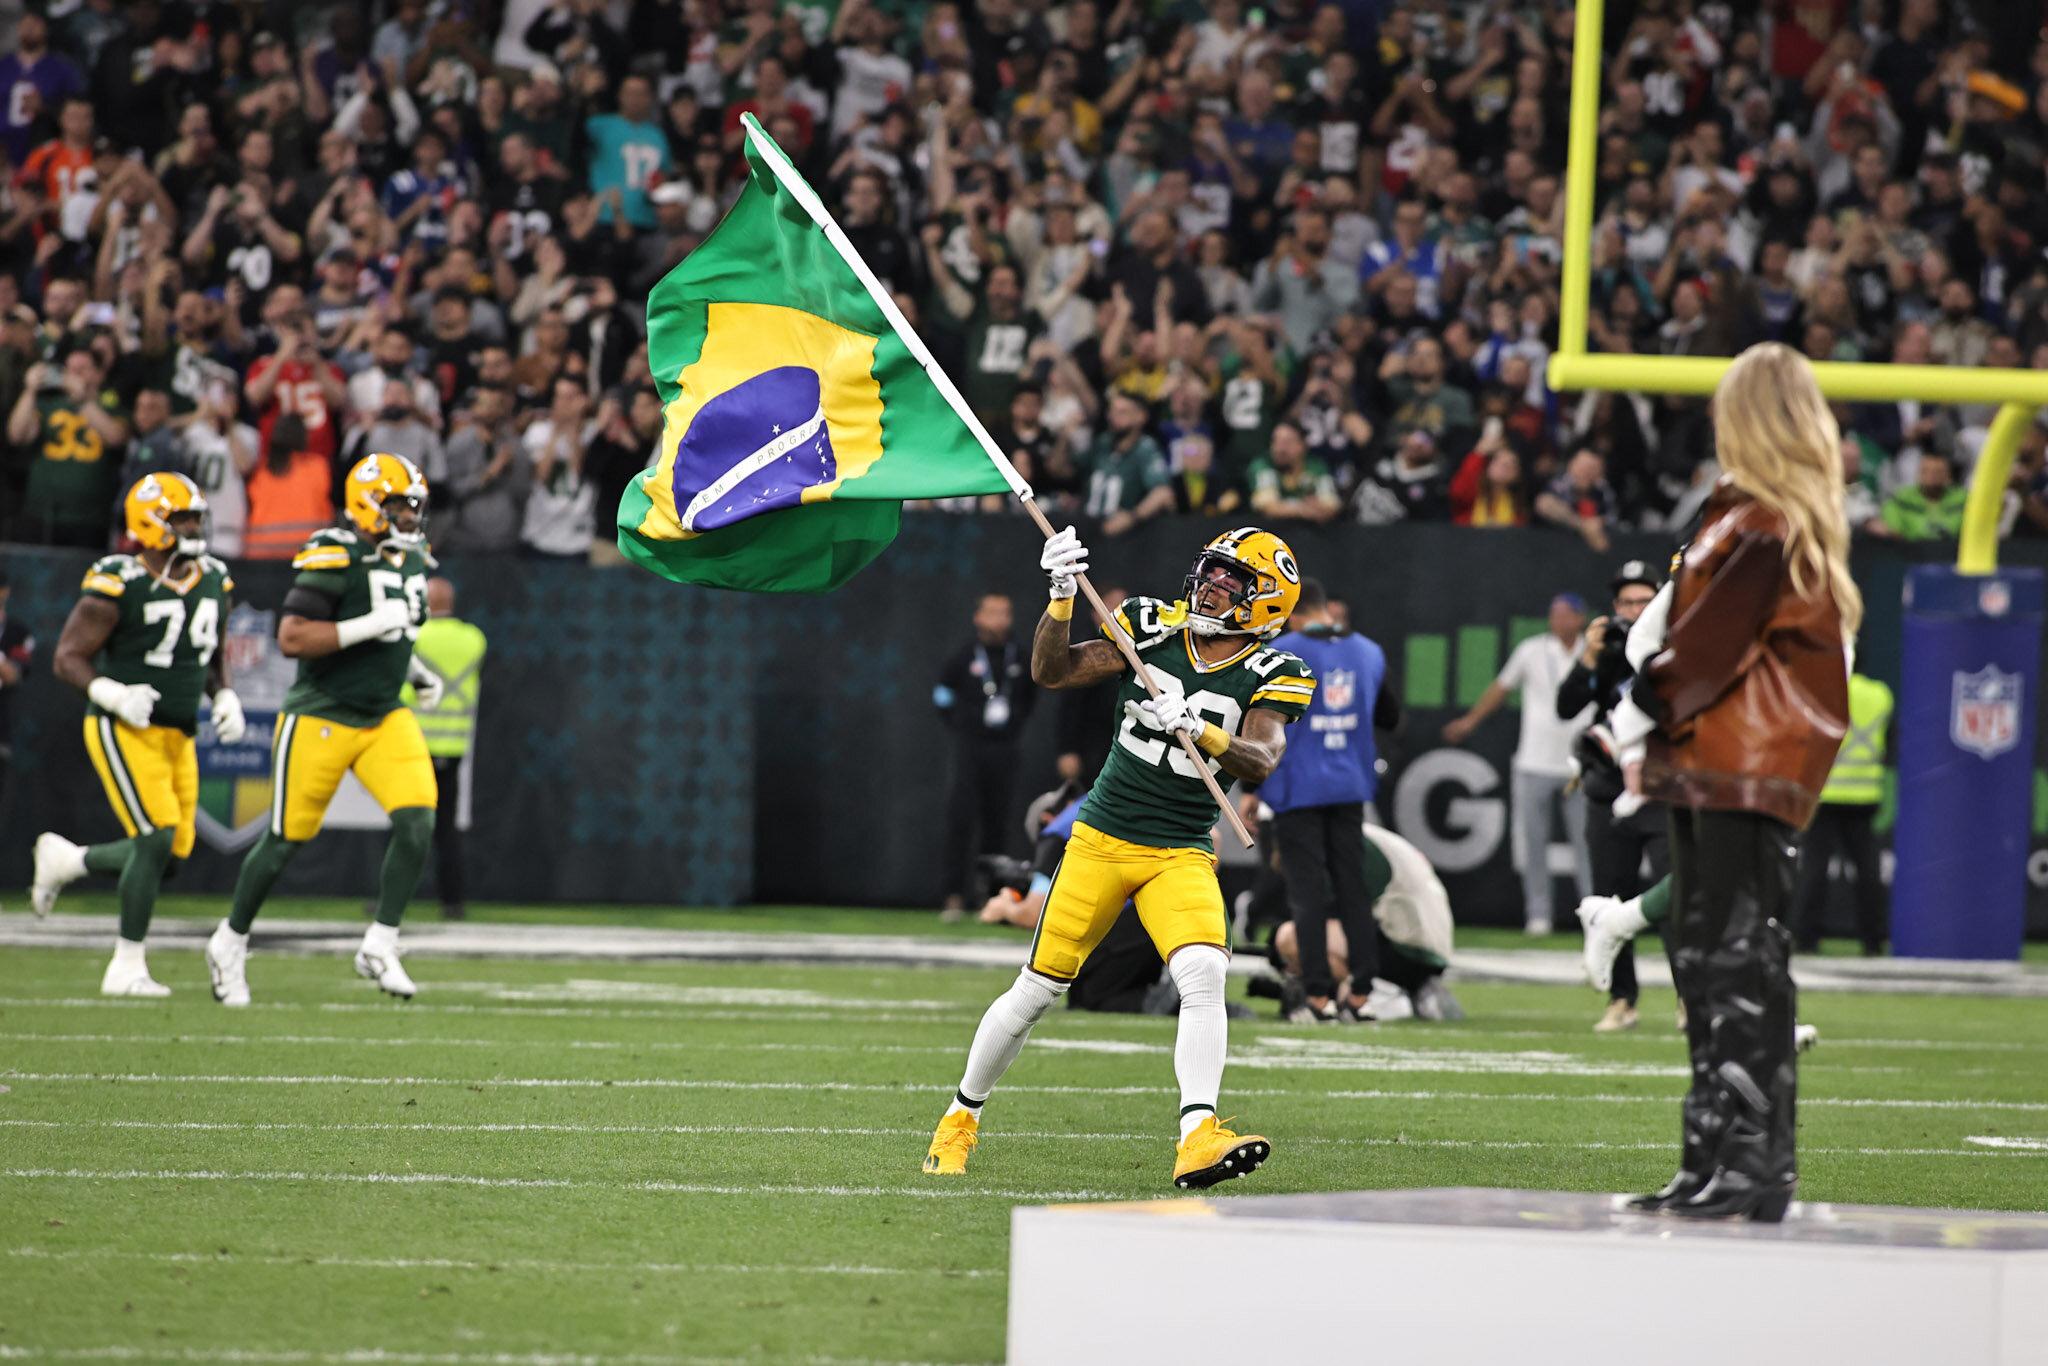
pixel 786 176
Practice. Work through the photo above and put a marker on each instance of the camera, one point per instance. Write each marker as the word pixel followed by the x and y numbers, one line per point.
pixel 1612 643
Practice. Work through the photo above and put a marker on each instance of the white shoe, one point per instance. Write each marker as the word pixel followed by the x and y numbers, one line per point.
pixel 1536 929
pixel 1609 924
pixel 383 968
pixel 1804 1037
pixel 58 861
pixel 130 979
pixel 227 958
pixel 1388 1002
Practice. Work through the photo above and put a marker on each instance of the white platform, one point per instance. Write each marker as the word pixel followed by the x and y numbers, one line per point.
pixel 1529 1278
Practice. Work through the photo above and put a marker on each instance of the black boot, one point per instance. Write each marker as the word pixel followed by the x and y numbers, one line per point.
pixel 1745 985
pixel 1700 1125
pixel 1731 1195
pixel 1753 1175
pixel 1702 1131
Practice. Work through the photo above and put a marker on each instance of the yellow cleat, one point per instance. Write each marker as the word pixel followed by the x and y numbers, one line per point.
pixel 956 1137
pixel 1213 1153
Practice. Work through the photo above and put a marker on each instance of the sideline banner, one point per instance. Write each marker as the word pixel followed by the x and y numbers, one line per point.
pixel 1967 707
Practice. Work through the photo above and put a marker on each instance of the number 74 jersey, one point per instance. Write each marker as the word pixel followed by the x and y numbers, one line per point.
pixel 1149 791
pixel 166 633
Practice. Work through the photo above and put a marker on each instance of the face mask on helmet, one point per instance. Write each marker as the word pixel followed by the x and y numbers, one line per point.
pixel 190 529
pixel 414 501
pixel 1216 575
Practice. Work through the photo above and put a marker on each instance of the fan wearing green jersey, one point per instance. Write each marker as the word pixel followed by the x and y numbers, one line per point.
pixel 143 645
pixel 1142 835
pixel 350 619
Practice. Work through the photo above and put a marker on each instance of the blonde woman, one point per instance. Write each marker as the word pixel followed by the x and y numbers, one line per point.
pixel 1750 699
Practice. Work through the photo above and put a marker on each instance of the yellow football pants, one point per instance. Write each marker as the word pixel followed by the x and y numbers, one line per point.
pixel 1179 901
pixel 309 755
pixel 151 776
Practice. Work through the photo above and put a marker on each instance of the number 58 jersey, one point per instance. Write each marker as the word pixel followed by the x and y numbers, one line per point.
pixel 342 575
pixel 167 631
pixel 1149 791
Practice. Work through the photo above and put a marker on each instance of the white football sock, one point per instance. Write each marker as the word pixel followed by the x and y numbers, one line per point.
pixel 128 954
pixel 380 938
pixel 1204 1034
pixel 1628 918
pixel 1001 1035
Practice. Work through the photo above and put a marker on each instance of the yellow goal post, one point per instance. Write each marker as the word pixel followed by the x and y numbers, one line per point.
pixel 2019 392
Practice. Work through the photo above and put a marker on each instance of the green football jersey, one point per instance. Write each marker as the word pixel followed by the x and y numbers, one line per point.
pixel 167 631
pixel 358 686
pixel 1149 791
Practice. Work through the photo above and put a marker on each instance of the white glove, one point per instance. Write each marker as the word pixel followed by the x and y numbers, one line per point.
pixel 131 702
pixel 1169 714
pixel 386 622
pixel 426 686
pixel 228 721
pixel 1064 559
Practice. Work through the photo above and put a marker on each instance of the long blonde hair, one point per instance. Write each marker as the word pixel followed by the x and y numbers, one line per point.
pixel 1778 442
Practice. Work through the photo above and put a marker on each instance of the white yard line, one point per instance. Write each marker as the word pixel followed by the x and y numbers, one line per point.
pixel 1415 1035
pixel 231 1259
pixel 964 1012
pixel 1827 1040
pixel 1991 1148
pixel 924 1192
pixel 1259 1053
pixel 939 1087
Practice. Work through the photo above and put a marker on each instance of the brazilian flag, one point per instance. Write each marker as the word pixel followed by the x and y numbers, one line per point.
pixel 800 408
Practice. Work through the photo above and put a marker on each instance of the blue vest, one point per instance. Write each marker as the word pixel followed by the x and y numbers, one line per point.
pixel 1330 752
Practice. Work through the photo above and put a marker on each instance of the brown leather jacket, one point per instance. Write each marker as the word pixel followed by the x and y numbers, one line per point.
pixel 1752 686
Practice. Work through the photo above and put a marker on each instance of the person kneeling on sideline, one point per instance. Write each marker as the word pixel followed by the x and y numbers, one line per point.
pixel 1412 927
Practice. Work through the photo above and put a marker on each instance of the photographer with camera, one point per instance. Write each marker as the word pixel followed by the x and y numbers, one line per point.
pixel 1622 833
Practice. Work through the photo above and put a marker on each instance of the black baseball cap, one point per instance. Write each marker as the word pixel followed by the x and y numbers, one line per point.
pixel 1634 571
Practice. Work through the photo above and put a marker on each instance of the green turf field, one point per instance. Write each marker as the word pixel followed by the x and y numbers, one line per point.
pixel 684 1162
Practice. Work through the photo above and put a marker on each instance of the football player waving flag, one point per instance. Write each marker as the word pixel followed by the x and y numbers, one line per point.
pixel 143 645
pixel 1143 833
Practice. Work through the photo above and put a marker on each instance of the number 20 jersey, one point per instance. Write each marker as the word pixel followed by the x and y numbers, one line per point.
pixel 358 686
pixel 1149 791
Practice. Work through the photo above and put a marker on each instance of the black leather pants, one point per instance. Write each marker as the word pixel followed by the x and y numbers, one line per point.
pixel 1733 875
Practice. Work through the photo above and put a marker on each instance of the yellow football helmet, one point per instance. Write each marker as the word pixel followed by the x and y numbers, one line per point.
pixel 1258 571
pixel 150 505
pixel 375 480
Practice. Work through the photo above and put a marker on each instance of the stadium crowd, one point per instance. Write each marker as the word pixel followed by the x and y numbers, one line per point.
pixel 1299 259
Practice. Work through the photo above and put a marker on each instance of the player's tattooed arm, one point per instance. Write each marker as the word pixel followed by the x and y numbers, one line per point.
pixel 1255 750
pixel 86 631
pixel 1056 662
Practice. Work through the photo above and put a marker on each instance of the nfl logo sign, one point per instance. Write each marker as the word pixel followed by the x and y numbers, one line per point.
pixel 1984 717
pixel 1338 686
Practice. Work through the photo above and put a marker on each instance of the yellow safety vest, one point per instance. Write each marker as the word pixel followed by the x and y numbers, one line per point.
pixel 1857 779
pixel 454 649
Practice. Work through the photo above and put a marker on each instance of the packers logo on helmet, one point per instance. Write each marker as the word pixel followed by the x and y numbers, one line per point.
pixel 1260 575
pixel 150 505
pixel 375 480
